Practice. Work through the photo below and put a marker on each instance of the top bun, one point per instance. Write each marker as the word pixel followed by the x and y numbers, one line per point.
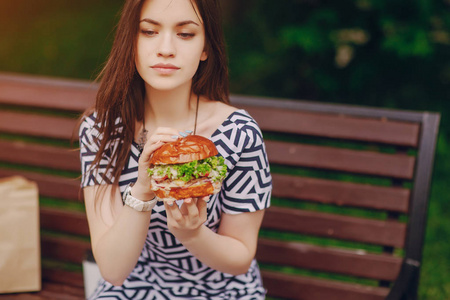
pixel 183 150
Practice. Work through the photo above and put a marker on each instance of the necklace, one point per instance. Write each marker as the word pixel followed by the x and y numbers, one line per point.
pixel 142 137
pixel 143 134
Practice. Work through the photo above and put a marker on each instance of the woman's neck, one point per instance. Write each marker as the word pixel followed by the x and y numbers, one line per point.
pixel 174 108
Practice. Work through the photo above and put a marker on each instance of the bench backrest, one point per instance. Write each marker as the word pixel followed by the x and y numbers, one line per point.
pixel 350 188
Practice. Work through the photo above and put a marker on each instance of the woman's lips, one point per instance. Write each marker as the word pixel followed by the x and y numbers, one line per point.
pixel 165 68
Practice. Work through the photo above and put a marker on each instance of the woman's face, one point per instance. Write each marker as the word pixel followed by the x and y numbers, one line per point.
pixel 170 43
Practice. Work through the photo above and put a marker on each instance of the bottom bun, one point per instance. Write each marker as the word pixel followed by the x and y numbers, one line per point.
pixel 177 193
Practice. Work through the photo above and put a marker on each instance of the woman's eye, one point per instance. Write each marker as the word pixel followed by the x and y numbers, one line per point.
pixel 184 35
pixel 148 32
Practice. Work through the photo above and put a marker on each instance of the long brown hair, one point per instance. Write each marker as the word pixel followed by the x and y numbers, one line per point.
pixel 121 90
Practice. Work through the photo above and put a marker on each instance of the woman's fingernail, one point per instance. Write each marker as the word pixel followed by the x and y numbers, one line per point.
pixel 170 203
pixel 174 136
pixel 187 200
pixel 183 134
pixel 188 131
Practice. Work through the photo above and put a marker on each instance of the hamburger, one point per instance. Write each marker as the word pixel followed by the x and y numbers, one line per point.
pixel 186 168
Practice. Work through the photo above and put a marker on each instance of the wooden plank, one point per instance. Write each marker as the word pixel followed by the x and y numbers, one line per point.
pixel 40 155
pixel 38 125
pixel 52 290
pixel 64 249
pixel 299 287
pixel 386 233
pixel 329 259
pixel 336 126
pixel 74 279
pixel 72 222
pixel 338 159
pixel 52 93
pixel 328 108
pixel 50 185
pixel 341 193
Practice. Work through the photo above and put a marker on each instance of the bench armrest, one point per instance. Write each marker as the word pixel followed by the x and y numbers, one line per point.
pixel 406 281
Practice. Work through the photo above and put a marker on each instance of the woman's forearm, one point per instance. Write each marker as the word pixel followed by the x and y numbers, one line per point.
pixel 230 250
pixel 118 249
pixel 220 252
pixel 118 232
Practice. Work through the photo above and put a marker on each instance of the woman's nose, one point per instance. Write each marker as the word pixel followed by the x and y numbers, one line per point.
pixel 166 46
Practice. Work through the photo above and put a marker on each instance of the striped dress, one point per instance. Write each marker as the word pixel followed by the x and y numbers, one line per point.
pixel 165 269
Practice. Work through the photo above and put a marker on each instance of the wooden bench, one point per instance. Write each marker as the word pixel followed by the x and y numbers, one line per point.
pixel 350 190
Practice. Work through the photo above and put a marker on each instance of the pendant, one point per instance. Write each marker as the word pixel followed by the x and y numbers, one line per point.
pixel 142 139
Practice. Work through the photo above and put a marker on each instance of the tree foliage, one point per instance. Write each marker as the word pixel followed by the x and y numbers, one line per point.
pixel 390 53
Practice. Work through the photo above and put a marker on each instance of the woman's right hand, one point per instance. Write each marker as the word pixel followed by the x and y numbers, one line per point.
pixel 161 135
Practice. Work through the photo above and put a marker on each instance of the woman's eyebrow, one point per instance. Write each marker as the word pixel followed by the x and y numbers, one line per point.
pixel 179 24
pixel 147 20
pixel 182 23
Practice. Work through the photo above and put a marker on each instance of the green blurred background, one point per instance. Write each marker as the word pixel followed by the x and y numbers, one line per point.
pixel 386 53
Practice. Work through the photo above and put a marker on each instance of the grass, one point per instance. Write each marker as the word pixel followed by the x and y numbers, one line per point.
pixel 435 273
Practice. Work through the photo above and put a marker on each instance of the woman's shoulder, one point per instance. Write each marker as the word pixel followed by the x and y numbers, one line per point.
pixel 91 128
pixel 238 131
pixel 226 113
pixel 240 120
pixel 87 122
pixel 217 110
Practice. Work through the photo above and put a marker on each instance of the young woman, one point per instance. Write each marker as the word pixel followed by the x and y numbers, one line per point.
pixel 167 77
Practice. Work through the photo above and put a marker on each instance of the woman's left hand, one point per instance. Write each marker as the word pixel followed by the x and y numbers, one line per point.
pixel 185 222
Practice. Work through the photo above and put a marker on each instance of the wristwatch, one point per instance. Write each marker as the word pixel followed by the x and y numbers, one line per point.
pixel 135 203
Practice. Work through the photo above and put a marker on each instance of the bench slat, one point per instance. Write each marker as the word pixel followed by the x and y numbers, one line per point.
pixel 336 126
pixel 37 125
pixel 290 287
pixel 72 222
pixel 338 159
pixel 385 233
pixel 47 93
pixel 66 188
pixel 327 259
pixel 70 278
pixel 39 155
pixel 341 193
pixel 58 291
pixel 64 249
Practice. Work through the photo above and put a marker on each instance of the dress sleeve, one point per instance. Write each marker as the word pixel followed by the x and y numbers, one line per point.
pixel 90 138
pixel 248 185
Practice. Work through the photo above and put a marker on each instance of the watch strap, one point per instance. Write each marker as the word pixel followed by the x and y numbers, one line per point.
pixel 135 203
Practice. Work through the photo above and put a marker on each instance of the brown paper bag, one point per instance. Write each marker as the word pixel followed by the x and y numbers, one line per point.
pixel 20 259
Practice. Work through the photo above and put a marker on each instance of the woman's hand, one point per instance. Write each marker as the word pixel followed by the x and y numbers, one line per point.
pixel 185 222
pixel 230 250
pixel 161 135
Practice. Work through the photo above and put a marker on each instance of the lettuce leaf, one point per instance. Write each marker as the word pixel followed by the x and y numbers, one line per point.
pixel 214 167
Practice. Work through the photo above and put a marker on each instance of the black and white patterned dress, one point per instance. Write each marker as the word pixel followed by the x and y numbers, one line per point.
pixel 165 269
